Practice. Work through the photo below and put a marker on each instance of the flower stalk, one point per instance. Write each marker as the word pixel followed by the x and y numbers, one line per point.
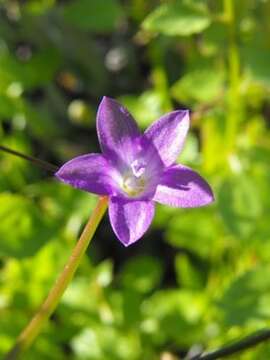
pixel 41 163
pixel 234 98
pixel 32 330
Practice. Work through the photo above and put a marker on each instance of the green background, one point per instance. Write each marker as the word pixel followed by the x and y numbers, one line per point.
pixel 200 277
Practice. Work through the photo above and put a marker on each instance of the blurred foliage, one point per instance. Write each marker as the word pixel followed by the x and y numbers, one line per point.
pixel 199 277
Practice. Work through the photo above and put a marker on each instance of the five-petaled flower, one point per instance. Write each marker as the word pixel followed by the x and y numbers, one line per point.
pixel 136 170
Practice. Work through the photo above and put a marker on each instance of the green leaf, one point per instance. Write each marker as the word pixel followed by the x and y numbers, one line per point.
pixel 190 152
pixel 177 18
pixel 247 298
pixel 189 273
pixel 256 61
pixel 9 106
pixel 81 295
pixel 38 7
pixel 38 71
pixel 173 312
pixel 85 293
pixel 239 204
pixel 142 273
pixel 202 85
pixel 22 228
pixel 86 345
pixel 263 352
pixel 201 238
pixel 15 171
pixel 146 108
pixel 214 38
pixel 94 15
pixel 106 342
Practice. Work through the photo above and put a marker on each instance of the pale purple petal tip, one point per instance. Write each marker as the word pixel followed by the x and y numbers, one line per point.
pixel 90 172
pixel 182 187
pixel 168 134
pixel 116 128
pixel 130 219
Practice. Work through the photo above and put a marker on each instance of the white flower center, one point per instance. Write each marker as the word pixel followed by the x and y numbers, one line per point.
pixel 134 180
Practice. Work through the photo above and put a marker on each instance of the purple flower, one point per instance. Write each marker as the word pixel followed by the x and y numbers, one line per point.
pixel 136 170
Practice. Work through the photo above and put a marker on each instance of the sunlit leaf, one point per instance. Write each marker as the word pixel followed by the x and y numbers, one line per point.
pixel 145 108
pixel 202 85
pixel 38 7
pixel 177 18
pixel 174 312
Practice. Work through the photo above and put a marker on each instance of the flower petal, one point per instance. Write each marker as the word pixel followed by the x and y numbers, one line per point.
pixel 116 128
pixel 130 219
pixel 168 134
pixel 182 187
pixel 90 172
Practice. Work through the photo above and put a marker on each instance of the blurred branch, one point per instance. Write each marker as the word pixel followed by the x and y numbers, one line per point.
pixel 41 163
pixel 246 343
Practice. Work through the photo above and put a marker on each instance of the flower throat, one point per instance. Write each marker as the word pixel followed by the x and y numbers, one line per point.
pixel 134 180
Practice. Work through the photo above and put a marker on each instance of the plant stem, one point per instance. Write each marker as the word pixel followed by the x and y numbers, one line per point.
pixel 41 163
pixel 249 341
pixel 32 330
pixel 234 101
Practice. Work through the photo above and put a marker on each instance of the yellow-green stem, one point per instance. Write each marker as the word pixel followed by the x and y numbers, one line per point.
pixel 234 112
pixel 32 330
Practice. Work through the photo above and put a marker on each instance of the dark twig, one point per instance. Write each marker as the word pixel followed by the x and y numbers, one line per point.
pixel 41 163
pixel 248 342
